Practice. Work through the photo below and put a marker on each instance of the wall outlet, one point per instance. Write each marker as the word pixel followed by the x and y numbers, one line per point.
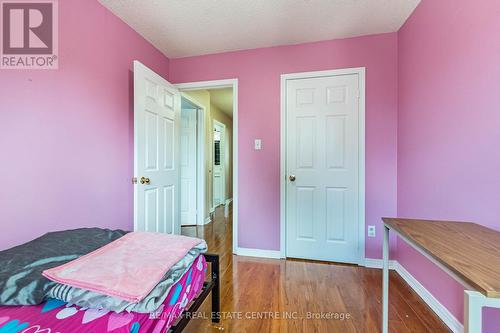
pixel 371 231
pixel 258 144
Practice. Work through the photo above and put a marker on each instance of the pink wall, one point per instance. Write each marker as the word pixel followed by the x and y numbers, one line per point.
pixel 66 135
pixel 449 127
pixel 259 73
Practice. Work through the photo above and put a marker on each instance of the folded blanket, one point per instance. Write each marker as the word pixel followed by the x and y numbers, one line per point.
pixel 128 268
pixel 89 299
pixel 21 267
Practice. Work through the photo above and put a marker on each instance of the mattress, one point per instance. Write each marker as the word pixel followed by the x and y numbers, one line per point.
pixel 55 316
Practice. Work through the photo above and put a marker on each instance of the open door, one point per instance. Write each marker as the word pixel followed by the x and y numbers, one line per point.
pixel 188 165
pixel 219 173
pixel 157 106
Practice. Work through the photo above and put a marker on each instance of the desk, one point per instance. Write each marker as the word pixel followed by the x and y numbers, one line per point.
pixel 468 252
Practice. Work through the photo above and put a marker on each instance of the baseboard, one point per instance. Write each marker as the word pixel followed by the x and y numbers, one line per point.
pixel 377 263
pixel 228 201
pixel 439 309
pixel 241 251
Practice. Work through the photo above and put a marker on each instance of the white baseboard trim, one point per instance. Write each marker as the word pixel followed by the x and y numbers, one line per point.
pixel 241 251
pixel 439 309
pixel 377 263
pixel 228 201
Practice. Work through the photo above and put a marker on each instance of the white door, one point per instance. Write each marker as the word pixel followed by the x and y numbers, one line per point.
pixel 219 174
pixel 322 168
pixel 156 119
pixel 188 153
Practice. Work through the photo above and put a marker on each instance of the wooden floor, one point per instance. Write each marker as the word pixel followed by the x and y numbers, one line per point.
pixel 266 295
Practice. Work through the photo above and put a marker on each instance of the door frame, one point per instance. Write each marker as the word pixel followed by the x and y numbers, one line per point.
pixel 200 160
pixel 227 83
pixel 360 71
pixel 223 201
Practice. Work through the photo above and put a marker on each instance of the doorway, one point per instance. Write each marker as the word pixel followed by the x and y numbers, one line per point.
pixel 170 169
pixel 322 198
pixel 227 157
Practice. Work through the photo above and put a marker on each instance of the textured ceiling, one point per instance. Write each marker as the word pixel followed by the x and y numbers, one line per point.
pixel 181 28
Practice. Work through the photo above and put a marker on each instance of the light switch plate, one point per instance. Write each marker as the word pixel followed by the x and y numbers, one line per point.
pixel 371 231
pixel 258 144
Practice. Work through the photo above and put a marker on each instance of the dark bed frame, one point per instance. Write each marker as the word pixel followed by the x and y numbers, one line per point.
pixel 211 286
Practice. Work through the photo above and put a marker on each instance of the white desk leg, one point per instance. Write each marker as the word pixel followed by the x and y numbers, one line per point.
pixel 473 308
pixel 385 283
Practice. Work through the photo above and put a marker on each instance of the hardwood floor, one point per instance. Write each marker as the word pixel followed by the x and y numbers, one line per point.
pixel 266 295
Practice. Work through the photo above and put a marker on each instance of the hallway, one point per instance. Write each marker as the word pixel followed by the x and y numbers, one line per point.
pixel 267 295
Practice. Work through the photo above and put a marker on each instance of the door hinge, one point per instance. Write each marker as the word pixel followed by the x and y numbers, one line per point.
pixel 134 180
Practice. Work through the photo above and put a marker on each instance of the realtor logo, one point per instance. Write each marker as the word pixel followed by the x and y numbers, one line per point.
pixel 29 34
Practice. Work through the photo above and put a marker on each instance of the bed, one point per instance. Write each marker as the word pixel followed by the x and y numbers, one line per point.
pixel 183 300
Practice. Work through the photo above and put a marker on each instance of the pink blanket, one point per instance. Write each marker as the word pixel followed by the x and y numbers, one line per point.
pixel 128 268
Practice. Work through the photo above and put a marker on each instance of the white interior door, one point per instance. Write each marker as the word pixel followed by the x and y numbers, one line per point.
pixel 219 173
pixel 322 165
pixel 156 137
pixel 188 153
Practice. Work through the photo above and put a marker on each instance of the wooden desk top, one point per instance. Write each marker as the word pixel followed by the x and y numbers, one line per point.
pixel 469 250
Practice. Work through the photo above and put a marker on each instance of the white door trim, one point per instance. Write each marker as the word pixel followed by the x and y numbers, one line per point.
pixel 228 83
pixel 360 71
pixel 200 163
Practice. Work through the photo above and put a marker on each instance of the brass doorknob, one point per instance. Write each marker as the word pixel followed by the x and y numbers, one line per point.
pixel 292 178
pixel 145 180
